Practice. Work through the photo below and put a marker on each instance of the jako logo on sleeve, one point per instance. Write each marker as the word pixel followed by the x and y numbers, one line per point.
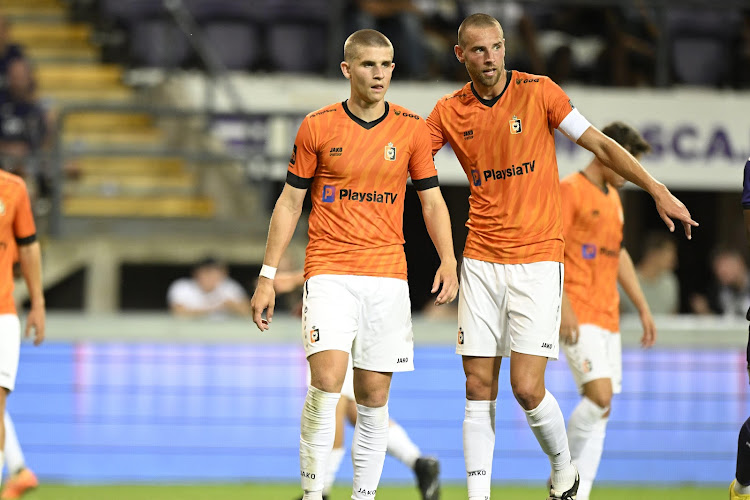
pixel 329 194
pixel 588 251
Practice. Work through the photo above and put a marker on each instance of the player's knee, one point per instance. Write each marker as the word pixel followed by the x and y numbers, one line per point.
pixel 528 393
pixel 478 388
pixel 373 397
pixel 603 401
pixel 326 381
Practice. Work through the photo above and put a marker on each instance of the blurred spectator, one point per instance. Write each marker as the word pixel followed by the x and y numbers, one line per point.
pixel 400 21
pixel 288 286
pixel 655 271
pixel 701 42
pixel 630 57
pixel 23 126
pixel 209 293
pixel 730 294
pixel 8 51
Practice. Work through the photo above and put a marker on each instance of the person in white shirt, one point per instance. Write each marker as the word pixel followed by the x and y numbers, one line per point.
pixel 209 293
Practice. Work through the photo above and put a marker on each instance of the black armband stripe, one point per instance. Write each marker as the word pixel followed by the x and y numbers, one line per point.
pixel 297 181
pixel 27 240
pixel 428 183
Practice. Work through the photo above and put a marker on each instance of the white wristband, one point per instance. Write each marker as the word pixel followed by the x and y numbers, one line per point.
pixel 268 272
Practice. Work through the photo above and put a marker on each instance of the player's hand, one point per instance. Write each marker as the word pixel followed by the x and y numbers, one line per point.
pixel 446 274
pixel 568 326
pixel 669 207
pixel 649 330
pixel 264 299
pixel 35 321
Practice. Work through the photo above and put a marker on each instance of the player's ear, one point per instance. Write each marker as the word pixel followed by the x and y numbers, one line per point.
pixel 459 53
pixel 345 70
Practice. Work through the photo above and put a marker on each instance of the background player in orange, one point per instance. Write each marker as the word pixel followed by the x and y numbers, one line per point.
pixel 501 127
pixel 355 157
pixel 589 328
pixel 16 228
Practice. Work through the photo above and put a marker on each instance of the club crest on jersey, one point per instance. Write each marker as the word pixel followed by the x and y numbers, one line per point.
pixel 515 125
pixel 390 152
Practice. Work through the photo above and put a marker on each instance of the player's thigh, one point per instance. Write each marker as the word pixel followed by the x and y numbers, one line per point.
pixel 10 348
pixel 589 358
pixel 482 310
pixel 347 390
pixel 384 340
pixel 330 314
pixel 534 299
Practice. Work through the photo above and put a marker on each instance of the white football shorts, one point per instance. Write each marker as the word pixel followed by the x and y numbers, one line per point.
pixel 10 348
pixel 509 307
pixel 597 354
pixel 367 316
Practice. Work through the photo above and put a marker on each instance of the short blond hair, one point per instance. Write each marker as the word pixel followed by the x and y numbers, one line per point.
pixel 364 38
pixel 476 21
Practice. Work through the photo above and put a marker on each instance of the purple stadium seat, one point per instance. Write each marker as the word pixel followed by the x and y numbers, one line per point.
pixel 236 44
pixel 158 43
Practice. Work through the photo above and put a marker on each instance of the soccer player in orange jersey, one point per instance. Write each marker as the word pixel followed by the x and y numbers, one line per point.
pixel 501 127
pixel 355 157
pixel 595 262
pixel 16 229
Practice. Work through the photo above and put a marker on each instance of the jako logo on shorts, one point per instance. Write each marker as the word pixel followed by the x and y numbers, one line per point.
pixel 329 193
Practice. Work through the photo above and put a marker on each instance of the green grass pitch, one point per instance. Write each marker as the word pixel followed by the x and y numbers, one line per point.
pixel 386 492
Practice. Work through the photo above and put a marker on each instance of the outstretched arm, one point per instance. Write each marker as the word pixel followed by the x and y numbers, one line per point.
pixel 30 257
pixel 438 222
pixel 615 157
pixel 629 281
pixel 283 223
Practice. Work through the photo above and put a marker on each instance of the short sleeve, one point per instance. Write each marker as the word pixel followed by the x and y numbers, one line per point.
pixel 569 209
pixel 557 103
pixel 435 128
pixel 176 293
pixel 746 187
pixel 304 159
pixel 421 164
pixel 24 228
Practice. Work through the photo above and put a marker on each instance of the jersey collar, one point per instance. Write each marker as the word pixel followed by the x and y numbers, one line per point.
pixel 361 122
pixel 491 102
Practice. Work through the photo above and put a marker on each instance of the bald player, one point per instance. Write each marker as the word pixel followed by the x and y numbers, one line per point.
pixel 355 157
pixel 501 127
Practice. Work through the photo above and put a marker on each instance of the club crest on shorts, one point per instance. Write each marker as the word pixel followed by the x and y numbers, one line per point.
pixel 460 336
pixel 390 152
pixel 314 335
pixel 515 125
pixel 586 365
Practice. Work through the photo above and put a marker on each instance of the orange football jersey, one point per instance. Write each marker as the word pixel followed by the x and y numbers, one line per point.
pixel 357 173
pixel 506 147
pixel 592 226
pixel 16 228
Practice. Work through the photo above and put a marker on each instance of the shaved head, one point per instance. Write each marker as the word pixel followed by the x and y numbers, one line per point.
pixel 364 38
pixel 476 21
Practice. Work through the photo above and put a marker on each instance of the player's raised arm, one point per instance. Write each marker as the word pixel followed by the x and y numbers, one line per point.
pixel 615 157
